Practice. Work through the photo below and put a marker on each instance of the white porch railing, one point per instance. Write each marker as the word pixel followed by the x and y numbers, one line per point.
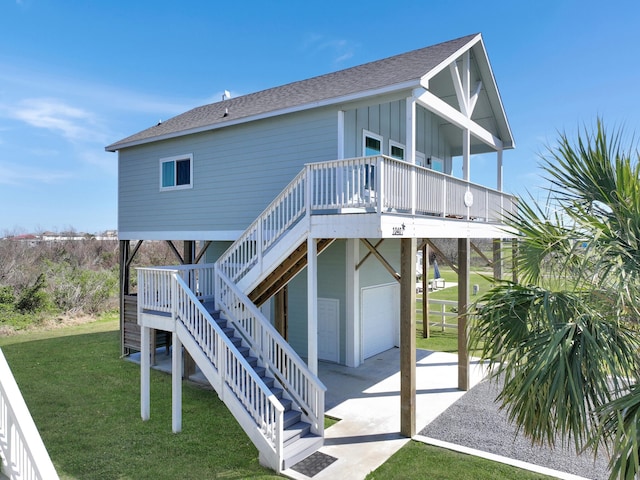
pixel 154 291
pixel 24 456
pixel 165 290
pixel 359 185
pixel 275 353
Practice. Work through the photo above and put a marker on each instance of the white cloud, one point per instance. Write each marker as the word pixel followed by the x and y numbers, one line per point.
pixel 341 49
pixel 73 123
pixel 18 175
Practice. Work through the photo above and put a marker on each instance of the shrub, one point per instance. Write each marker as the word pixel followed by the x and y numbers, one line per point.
pixel 34 299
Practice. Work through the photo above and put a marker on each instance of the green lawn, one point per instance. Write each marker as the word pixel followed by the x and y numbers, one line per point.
pixel 418 461
pixel 85 401
pixel 447 340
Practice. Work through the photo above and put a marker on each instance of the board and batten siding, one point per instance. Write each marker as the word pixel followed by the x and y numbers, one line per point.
pixel 389 120
pixel 237 172
pixel 331 284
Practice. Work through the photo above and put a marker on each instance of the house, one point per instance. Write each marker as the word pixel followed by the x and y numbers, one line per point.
pixel 300 210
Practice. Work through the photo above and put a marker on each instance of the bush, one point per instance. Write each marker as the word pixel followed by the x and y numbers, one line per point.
pixel 7 296
pixel 34 298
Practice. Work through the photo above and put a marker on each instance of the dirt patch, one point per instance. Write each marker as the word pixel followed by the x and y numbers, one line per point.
pixel 50 323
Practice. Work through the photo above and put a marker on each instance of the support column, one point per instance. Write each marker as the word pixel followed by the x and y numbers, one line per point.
pixel 408 337
pixel 466 154
pixel 353 345
pixel 125 249
pixel 188 254
pixel 514 260
pixel 499 180
pixel 497 259
pixel 426 329
pixel 312 305
pixel 280 307
pixel 145 372
pixel 176 385
pixel 463 307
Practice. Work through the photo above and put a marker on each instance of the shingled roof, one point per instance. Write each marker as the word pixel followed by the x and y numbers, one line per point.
pixel 400 70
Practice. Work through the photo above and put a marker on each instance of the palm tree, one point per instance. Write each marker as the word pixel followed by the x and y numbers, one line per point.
pixel 565 338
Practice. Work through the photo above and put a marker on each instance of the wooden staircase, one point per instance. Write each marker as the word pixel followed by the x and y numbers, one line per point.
pixel 284 272
pixel 298 440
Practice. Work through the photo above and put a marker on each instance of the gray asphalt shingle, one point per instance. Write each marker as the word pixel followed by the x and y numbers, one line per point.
pixel 396 70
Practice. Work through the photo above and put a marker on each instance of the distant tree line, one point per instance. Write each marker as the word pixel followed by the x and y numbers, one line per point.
pixel 40 279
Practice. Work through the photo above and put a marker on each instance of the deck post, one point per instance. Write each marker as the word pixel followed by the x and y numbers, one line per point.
pixel 176 384
pixel 125 248
pixel 408 337
pixel 463 307
pixel 353 342
pixel 497 259
pixel 312 305
pixel 145 372
pixel 188 254
pixel 425 291
pixel 280 307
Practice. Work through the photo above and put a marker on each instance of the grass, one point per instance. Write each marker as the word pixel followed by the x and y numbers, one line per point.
pixel 419 461
pixel 85 402
pixel 447 340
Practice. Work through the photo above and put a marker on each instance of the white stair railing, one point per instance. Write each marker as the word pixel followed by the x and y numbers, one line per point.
pixel 283 362
pixel 159 287
pixel 24 455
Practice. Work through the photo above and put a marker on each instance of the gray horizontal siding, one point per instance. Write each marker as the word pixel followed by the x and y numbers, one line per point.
pixel 237 171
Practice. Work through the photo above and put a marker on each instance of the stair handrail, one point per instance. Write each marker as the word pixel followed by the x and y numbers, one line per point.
pixel 274 351
pixel 23 452
pixel 283 212
pixel 159 286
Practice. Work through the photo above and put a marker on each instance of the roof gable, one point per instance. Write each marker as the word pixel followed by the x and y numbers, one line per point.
pixel 402 71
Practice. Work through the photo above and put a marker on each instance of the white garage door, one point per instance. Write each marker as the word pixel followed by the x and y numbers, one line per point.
pixel 380 312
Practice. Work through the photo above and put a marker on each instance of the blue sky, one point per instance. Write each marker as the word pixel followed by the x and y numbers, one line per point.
pixel 78 75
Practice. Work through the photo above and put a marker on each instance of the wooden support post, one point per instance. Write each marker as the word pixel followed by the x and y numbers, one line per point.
pixel 463 307
pixel 425 291
pixel 125 246
pixel 176 385
pixel 188 255
pixel 408 337
pixel 312 305
pixel 145 372
pixel 514 261
pixel 497 259
pixel 280 308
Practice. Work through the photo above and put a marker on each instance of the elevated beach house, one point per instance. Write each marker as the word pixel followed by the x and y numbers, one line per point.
pixel 300 210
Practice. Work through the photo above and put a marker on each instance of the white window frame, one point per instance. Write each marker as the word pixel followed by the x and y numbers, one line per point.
pixel 367 133
pixel 398 145
pixel 175 159
pixel 421 159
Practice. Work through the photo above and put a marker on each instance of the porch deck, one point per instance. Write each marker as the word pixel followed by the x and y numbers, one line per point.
pixel 366 399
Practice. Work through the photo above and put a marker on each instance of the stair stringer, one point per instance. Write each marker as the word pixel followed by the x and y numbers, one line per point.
pixel 268 455
pixel 274 256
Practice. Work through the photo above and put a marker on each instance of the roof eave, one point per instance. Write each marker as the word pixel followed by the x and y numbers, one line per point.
pixel 409 85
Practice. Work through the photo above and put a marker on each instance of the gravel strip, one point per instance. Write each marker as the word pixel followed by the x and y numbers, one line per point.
pixel 476 422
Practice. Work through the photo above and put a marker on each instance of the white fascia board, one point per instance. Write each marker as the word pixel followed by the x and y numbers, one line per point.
pixel 494 89
pixel 434 104
pixel 449 60
pixel 298 108
pixel 222 235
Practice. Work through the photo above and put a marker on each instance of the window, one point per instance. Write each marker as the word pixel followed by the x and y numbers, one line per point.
pixel 176 172
pixel 396 150
pixel 372 144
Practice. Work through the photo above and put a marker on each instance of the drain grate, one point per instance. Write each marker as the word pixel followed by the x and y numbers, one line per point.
pixel 314 464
